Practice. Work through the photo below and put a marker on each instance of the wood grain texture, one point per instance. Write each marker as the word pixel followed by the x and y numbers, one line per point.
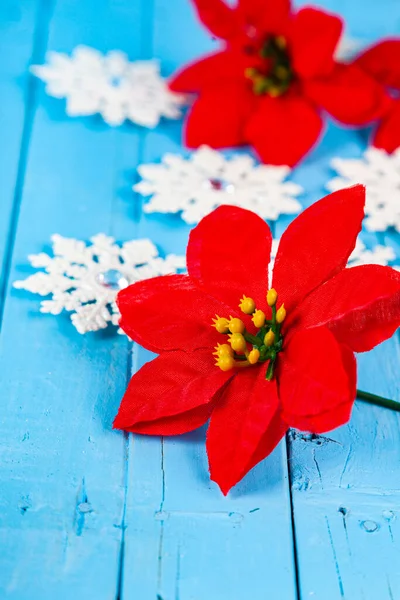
pixel 346 494
pixel 86 512
pixel 198 543
pixel 62 509
pixel 345 484
pixel 23 30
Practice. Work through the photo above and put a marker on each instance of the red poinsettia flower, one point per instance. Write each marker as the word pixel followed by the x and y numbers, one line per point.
pixel 382 62
pixel 268 84
pixel 284 358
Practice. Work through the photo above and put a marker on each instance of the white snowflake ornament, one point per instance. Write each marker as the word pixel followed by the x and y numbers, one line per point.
pixel 110 85
pixel 347 48
pixel 361 255
pixel 197 185
pixel 379 255
pixel 85 279
pixel 380 172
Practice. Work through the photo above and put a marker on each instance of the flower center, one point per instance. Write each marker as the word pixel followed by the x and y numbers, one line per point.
pixel 273 75
pixel 244 348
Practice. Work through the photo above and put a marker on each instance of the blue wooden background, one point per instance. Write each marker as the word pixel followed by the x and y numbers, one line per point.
pixel 88 513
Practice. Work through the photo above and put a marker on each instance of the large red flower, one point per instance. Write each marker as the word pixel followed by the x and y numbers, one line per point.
pixel 382 62
pixel 297 371
pixel 268 84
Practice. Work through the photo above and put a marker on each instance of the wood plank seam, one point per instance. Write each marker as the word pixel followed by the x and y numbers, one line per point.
pixel 292 518
pixel 146 46
pixel 44 14
pixel 121 558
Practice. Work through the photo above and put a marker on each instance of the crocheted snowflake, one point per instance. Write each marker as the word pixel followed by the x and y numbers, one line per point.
pixel 207 179
pixel 110 85
pixel 85 279
pixel 380 172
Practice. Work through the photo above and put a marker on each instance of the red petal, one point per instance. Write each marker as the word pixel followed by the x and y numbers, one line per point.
pixel 314 37
pixel 325 421
pixel 228 255
pixel 387 135
pixel 317 244
pixel 271 438
pixel 382 62
pixel 269 16
pixel 206 72
pixel 217 118
pixel 282 130
pixel 169 313
pixel 246 418
pixel 176 425
pixel 349 95
pixel 315 376
pixel 221 20
pixel 171 394
pixel 361 306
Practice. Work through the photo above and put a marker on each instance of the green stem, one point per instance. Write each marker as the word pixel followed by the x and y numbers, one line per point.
pixel 251 338
pixel 273 320
pixel 378 400
pixel 270 370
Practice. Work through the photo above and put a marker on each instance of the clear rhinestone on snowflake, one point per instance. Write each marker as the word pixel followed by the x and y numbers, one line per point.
pixel 219 185
pixel 112 279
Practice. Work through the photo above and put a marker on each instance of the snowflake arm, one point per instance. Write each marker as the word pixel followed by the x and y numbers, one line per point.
pixel 197 185
pixel 85 279
pixel 380 172
pixel 361 255
pixel 109 85
pixel 347 48
pixel 378 255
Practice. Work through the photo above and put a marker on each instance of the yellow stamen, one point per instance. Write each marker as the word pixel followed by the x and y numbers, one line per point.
pixel 242 363
pixel 253 356
pixel 247 349
pixel 223 350
pixel 250 72
pixel 271 297
pixel 281 42
pixel 258 318
pixel 225 363
pixel 274 92
pixel 281 72
pixel 221 324
pixel 260 85
pixel 247 305
pixel 237 342
pixel 281 314
pixel 269 338
pixel 236 325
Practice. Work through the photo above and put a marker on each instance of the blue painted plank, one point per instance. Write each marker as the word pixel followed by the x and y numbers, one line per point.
pixel 22 29
pixel 63 512
pixel 365 20
pixel 346 496
pixel 345 486
pixel 63 469
pixel 183 539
